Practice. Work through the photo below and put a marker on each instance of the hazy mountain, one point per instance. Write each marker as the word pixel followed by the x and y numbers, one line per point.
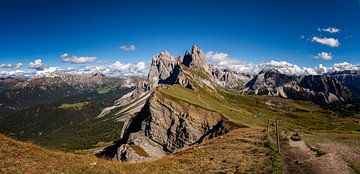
pixel 9 82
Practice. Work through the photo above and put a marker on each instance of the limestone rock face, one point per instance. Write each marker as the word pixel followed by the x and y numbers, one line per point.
pixel 165 125
pixel 351 79
pixel 229 80
pixel 197 60
pixel 163 69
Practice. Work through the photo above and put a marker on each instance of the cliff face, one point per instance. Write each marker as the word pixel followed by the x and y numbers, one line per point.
pixel 164 125
pixel 163 70
pixel 351 79
pixel 196 60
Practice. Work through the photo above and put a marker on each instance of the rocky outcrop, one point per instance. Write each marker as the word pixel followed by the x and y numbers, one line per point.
pixel 228 79
pixel 163 70
pixel 164 125
pixel 196 60
pixel 320 89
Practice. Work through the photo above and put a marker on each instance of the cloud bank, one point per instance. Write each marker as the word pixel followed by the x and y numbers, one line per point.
pixel 14 66
pixel 122 69
pixel 223 59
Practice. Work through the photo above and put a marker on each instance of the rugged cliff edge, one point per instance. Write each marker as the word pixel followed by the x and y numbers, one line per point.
pixel 165 125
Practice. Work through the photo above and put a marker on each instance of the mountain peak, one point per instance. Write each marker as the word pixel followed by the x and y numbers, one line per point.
pixel 196 59
pixel 161 68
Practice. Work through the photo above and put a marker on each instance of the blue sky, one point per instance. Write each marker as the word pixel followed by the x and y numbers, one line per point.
pixel 253 31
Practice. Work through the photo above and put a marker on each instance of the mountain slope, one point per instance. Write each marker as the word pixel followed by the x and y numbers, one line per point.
pixel 63 110
pixel 231 153
pixel 66 88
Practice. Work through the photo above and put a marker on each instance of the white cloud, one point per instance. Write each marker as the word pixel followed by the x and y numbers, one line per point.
pixel 128 48
pixel 65 55
pixel 217 57
pixel 223 59
pixel 14 66
pixel 320 69
pixel 37 64
pixel 283 67
pixel 331 42
pixel 330 30
pixel 127 69
pixel 76 60
pixel 345 66
pixel 324 56
pixel 16 73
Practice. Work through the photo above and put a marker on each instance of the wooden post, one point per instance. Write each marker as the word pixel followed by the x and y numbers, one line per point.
pixel 267 125
pixel 277 136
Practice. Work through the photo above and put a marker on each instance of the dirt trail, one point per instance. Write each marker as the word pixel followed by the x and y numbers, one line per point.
pixel 300 158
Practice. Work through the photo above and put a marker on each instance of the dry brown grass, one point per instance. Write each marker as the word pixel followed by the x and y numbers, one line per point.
pixel 241 150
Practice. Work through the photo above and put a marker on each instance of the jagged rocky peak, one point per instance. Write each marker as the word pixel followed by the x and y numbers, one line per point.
pixel 196 59
pixel 162 69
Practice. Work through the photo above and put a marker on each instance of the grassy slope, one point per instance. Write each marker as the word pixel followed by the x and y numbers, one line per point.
pixel 243 150
pixel 316 125
pixel 253 110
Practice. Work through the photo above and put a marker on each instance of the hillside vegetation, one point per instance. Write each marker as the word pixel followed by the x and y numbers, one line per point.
pixel 68 124
pixel 243 150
